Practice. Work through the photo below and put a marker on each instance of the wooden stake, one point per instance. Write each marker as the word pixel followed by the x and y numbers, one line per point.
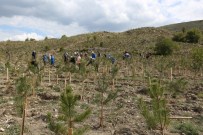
pixel 106 68
pixel 180 117
pixel 57 81
pixel 95 76
pixel 33 91
pixel 70 78
pixel 70 131
pixel 41 79
pixel 142 68
pixel 150 82
pixel 23 116
pixel 171 74
pixel 7 74
pixel 113 85
pixel 49 76
pixel 179 70
pixel 65 83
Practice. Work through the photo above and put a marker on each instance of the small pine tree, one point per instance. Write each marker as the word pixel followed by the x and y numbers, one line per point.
pixel 156 116
pixel 58 127
pixel 22 90
pixel 68 104
pixel 114 72
pixel 102 89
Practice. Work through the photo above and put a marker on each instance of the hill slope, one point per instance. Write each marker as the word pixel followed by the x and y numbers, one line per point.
pixel 187 25
pixel 122 115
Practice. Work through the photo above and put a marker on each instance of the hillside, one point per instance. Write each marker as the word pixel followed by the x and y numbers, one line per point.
pixel 122 116
pixel 187 25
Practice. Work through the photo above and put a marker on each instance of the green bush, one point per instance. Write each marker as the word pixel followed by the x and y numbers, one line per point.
pixel 13 129
pixel 177 86
pixel 46 48
pixel 64 37
pixel 187 129
pixel 32 39
pixel 164 47
pixel 61 49
pixel 179 37
pixel 193 36
pixel 197 59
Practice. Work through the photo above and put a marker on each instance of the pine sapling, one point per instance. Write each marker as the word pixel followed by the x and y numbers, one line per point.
pixel 69 113
pixel 102 89
pixel 156 116
pixel 22 90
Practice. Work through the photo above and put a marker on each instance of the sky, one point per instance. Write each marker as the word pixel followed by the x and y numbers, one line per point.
pixel 21 19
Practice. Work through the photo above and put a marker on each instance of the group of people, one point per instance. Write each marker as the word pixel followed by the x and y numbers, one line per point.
pixel 49 58
pixel 77 57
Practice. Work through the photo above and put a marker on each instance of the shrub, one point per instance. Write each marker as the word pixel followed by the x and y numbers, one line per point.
pixel 193 36
pixel 61 49
pixel 13 129
pixel 197 59
pixel 164 47
pixel 177 86
pixel 32 39
pixel 179 37
pixel 64 37
pixel 101 44
pixel 27 39
pixel 46 48
pixel 187 129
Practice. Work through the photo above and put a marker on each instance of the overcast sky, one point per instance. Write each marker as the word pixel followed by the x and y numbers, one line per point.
pixel 37 19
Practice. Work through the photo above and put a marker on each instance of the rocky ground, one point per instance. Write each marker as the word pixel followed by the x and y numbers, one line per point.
pixel 122 116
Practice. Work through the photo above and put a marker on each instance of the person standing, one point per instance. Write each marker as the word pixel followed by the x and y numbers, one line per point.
pixel 52 60
pixel 45 59
pixel 34 55
pixel 78 61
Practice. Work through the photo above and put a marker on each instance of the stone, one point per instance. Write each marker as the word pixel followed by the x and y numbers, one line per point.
pixel 49 96
pixel 2 129
pixel 123 131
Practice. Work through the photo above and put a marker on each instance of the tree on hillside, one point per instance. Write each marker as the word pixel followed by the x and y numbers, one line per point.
pixel 197 59
pixel 179 37
pixel 193 36
pixel 183 29
pixel 104 100
pixel 64 37
pixel 156 114
pixel 164 47
pixel 22 91
pixel 69 115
